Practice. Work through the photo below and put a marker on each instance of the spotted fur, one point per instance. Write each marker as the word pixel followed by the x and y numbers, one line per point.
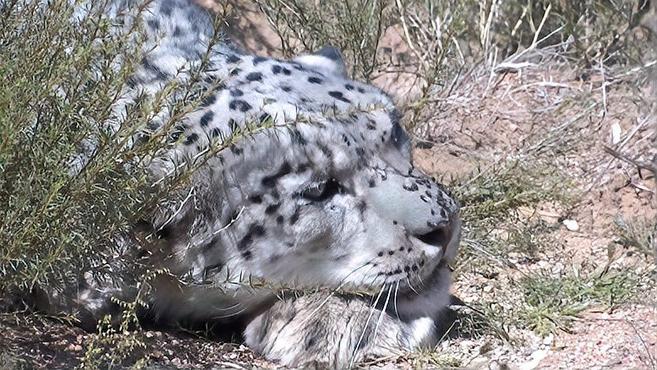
pixel 323 196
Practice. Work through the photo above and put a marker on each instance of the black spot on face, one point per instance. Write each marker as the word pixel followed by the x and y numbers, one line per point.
pixel 265 117
pixel 412 187
pixel 132 82
pixel 325 150
pixel 280 219
pixel 209 100
pixel 245 242
pixel 287 72
pixel 236 150
pixel 235 71
pixel 339 96
pixel 254 76
pixel 346 140
pixel 270 181
pixel 315 80
pixel 206 118
pixel 256 198
pixel 272 208
pixel 257 230
pixel 154 24
pixel 349 87
pixel 233 59
pixel 286 88
pixel 298 138
pixel 232 124
pixel 191 139
pixel 216 132
pixel 212 80
pixel 276 69
pixel 257 60
pixel 239 105
pixel 295 217
pixel 236 93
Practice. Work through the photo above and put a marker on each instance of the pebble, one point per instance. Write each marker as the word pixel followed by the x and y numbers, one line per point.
pixel 615 133
pixel 571 225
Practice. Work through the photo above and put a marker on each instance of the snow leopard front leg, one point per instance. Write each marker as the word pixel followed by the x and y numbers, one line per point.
pixel 334 331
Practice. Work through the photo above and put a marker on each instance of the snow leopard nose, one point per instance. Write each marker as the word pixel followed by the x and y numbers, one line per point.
pixel 441 232
pixel 444 234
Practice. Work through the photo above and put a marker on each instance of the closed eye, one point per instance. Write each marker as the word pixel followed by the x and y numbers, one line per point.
pixel 322 190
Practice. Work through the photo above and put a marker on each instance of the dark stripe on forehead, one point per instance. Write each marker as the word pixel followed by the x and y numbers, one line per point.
pixel 270 181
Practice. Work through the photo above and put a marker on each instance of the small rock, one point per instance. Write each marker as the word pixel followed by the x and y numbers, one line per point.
pixel 615 133
pixel 571 225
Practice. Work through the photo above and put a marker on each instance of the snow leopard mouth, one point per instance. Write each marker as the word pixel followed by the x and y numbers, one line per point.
pixel 421 285
pixel 424 297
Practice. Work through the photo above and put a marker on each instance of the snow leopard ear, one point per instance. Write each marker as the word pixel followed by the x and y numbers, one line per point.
pixel 326 60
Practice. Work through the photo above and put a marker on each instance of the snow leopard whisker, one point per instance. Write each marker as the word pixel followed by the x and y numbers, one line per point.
pixel 395 300
pixel 410 286
pixel 230 315
pixel 364 330
pixel 383 311
pixel 342 283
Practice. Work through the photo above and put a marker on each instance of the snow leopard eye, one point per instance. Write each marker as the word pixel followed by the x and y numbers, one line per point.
pixel 322 190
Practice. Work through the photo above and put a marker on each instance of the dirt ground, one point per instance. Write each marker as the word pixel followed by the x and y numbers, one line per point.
pixel 490 117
